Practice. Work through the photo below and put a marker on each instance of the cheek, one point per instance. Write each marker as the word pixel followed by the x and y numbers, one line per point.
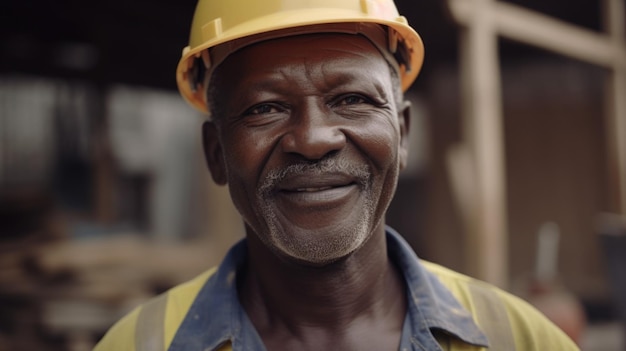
pixel 244 150
pixel 379 141
pixel 242 173
pixel 246 155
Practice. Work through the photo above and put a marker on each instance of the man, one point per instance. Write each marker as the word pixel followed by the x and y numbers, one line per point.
pixel 308 128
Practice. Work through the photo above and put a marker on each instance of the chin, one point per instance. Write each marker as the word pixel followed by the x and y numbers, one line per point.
pixel 320 246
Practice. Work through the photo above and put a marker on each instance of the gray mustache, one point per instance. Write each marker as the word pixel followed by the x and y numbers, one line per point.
pixel 332 165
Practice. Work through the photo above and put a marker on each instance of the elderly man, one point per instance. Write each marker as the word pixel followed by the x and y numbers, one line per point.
pixel 308 128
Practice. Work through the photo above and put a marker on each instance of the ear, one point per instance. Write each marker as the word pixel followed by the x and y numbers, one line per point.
pixel 404 121
pixel 213 153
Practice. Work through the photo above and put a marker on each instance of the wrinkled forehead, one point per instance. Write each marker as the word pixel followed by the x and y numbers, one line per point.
pixel 310 61
pixel 376 35
pixel 332 49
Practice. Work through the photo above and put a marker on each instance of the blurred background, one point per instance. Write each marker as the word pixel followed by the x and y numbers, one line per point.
pixel 517 174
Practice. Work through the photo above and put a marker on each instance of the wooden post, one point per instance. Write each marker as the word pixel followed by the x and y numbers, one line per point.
pixel 486 224
pixel 483 21
pixel 616 101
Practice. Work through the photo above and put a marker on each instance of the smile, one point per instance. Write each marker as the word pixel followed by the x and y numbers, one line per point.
pixel 309 190
pixel 321 197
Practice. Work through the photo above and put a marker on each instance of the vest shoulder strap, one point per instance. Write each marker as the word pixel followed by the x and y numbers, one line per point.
pixel 149 331
pixel 492 318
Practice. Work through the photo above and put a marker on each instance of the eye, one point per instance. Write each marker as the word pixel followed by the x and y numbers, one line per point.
pixel 264 109
pixel 264 113
pixel 352 99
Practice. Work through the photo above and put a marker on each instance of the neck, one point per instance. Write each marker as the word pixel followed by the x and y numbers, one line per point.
pixel 364 286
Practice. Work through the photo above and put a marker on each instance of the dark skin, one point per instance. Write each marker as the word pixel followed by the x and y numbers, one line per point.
pixel 302 100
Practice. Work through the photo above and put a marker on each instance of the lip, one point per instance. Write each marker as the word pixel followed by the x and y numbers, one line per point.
pixel 315 182
pixel 326 197
pixel 317 191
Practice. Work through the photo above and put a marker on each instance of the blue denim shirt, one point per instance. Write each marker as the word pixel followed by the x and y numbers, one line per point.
pixel 216 316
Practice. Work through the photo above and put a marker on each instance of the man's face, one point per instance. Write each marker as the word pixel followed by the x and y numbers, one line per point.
pixel 310 141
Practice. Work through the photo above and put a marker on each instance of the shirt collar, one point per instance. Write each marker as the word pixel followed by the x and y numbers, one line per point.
pixel 216 316
pixel 431 306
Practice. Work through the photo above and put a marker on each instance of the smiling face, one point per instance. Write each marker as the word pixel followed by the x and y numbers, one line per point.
pixel 310 140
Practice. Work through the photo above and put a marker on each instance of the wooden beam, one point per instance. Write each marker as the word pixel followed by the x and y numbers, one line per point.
pixel 615 19
pixel 535 29
pixel 487 246
pixel 484 20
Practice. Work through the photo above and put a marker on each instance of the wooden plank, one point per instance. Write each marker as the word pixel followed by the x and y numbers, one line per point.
pixel 535 29
pixel 615 19
pixel 484 20
pixel 487 246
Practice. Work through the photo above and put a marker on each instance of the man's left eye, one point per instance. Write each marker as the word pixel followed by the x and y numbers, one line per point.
pixel 352 100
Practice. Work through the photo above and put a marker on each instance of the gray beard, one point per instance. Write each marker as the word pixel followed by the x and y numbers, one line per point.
pixel 310 248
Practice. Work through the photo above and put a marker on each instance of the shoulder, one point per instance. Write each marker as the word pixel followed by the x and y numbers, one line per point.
pixel 164 313
pixel 120 337
pixel 495 310
pixel 179 300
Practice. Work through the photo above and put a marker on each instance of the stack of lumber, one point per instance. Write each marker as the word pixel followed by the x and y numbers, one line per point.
pixel 64 294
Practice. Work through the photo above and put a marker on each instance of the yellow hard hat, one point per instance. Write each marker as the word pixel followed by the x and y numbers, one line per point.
pixel 220 27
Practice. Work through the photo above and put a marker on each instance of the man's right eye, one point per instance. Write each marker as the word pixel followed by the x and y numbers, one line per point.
pixel 263 109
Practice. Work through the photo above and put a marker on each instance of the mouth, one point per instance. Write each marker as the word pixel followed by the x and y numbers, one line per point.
pixel 315 186
pixel 317 192
pixel 311 190
pixel 318 197
pixel 315 197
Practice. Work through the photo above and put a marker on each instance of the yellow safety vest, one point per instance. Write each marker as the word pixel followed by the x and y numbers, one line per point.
pixel 509 323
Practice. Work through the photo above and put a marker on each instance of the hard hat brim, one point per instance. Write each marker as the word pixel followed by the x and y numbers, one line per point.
pixel 282 24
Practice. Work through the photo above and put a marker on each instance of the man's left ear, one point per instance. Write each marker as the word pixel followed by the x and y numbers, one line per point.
pixel 404 121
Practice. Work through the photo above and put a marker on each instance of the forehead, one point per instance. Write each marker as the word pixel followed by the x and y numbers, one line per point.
pixel 332 42
pixel 336 56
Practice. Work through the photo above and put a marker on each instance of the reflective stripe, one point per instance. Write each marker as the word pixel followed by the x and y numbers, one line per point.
pixel 493 318
pixel 149 331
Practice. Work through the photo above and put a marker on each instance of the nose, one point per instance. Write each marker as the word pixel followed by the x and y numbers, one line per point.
pixel 313 134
